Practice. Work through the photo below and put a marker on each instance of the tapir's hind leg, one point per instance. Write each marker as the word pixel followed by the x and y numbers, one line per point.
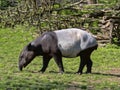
pixel 89 66
pixel 83 62
pixel 89 62
pixel 86 60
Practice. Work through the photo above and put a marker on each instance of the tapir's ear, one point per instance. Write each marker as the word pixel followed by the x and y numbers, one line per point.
pixel 31 47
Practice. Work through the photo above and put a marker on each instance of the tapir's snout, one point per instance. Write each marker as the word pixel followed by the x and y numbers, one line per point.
pixel 20 67
pixel 21 64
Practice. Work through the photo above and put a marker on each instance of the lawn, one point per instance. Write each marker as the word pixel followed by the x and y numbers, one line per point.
pixel 105 76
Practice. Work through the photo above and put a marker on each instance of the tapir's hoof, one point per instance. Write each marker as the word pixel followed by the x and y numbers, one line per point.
pixel 80 73
pixel 61 72
pixel 40 71
pixel 20 68
pixel 87 72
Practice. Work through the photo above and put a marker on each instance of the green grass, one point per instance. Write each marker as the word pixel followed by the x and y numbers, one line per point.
pixel 105 76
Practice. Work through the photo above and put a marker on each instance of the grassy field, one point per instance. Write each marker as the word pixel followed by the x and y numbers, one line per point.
pixel 105 76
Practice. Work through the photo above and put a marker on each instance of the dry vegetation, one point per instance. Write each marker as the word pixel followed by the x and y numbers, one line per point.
pixel 102 20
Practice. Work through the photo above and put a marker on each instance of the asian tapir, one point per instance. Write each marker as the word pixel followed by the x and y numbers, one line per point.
pixel 67 43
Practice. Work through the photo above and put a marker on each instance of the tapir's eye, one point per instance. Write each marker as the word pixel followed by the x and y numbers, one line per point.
pixel 21 57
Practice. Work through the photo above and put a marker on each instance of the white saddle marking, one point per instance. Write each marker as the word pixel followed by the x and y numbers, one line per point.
pixel 72 41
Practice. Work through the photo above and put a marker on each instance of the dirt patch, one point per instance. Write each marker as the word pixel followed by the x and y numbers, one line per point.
pixel 115 71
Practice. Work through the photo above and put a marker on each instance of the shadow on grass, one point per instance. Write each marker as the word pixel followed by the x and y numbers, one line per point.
pixel 55 72
pixel 96 73
pixel 105 74
pixel 63 73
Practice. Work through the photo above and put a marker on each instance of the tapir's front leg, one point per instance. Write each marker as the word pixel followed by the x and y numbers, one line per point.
pixel 58 60
pixel 46 60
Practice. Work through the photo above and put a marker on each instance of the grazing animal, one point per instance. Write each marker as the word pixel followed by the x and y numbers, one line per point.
pixel 67 43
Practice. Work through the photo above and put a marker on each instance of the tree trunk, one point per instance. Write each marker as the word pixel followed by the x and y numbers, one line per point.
pixel 91 1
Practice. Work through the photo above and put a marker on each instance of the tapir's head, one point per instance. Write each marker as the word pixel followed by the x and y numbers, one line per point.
pixel 27 55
